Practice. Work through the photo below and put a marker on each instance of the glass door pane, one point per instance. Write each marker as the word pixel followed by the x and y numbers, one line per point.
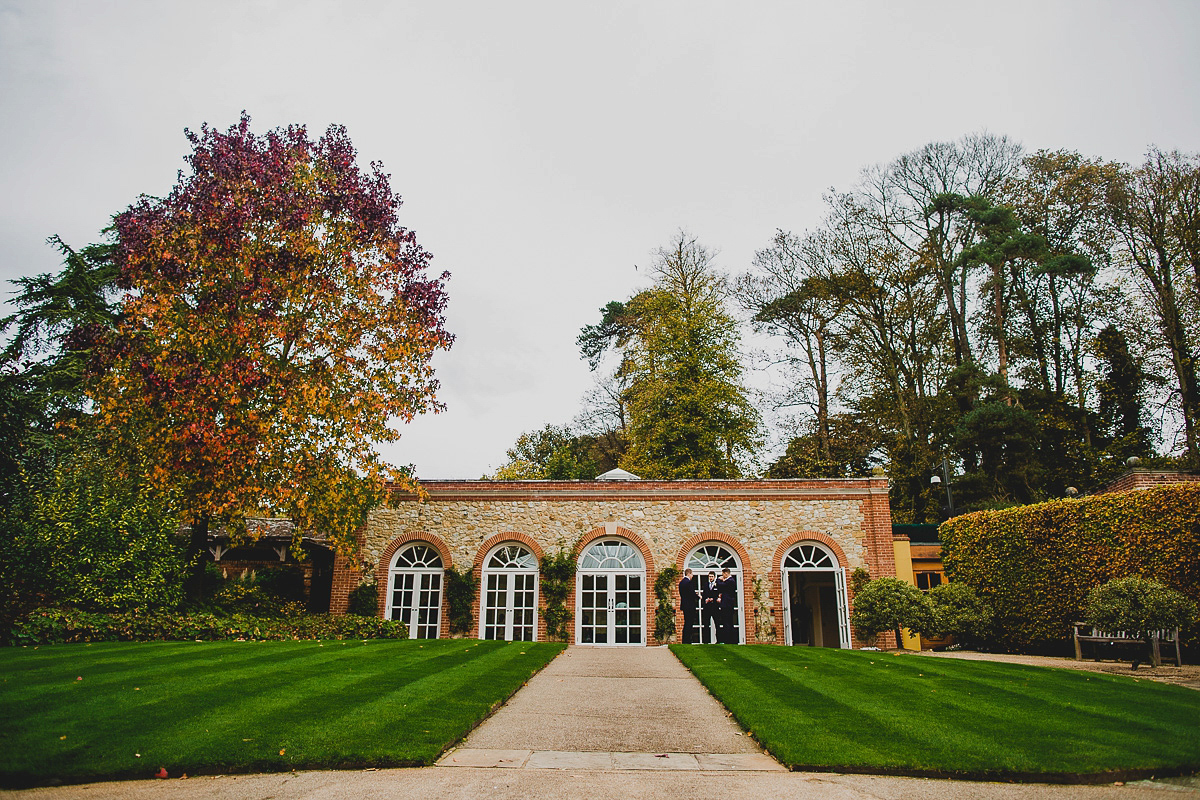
pixel 429 609
pixel 627 609
pixel 495 603
pixel 844 640
pixel 524 607
pixel 402 599
pixel 593 609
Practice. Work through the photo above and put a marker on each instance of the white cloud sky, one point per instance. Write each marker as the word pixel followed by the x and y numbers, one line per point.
pixel 544 149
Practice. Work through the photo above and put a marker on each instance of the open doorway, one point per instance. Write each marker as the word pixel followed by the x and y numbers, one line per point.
pixel 812 608
pixel 816 612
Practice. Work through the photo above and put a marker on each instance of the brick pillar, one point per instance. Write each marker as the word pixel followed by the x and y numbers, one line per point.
pixel 880 551
pixel 346 577
pixel 877 525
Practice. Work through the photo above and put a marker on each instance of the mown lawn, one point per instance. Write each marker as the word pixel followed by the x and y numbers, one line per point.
pixel 115 710
pixel 826 709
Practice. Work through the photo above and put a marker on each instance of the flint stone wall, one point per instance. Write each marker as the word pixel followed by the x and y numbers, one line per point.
pixel 760 525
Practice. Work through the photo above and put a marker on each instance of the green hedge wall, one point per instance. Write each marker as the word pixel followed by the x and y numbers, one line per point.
pixel 1035 564
pixel 57 626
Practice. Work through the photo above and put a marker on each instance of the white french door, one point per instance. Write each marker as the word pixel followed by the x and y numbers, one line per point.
pixel 839 582
pixel 510 606
pixel 611 608
pixel 416 600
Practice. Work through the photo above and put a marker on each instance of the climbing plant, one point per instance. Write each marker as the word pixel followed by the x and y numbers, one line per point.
pixel 664 616
pixel 764 620
pixel 556 573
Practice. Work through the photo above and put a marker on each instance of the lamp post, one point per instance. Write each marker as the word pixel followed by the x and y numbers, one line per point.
pixel 935 479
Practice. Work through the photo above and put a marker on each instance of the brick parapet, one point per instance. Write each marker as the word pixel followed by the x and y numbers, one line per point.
pixel 1146 479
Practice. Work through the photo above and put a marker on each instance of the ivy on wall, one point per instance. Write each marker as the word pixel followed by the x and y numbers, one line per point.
pixel 764 620
pixel 664 614
pixel 1034 565
pixel 556 573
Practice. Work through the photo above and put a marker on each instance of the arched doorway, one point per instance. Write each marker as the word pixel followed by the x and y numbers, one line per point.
pixel 415 590
pixel 714 557
pixel 815 611
pixel 508 602
pixel 610 593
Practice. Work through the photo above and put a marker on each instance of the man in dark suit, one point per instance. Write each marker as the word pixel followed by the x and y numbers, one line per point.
pixel 727 607
pixel 689 605
pixel 710 610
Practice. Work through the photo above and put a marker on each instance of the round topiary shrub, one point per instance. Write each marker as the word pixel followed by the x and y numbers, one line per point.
pixel 889 604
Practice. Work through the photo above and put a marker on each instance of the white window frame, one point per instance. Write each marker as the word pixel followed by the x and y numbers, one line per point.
pixel 610 573
pixel 510 572
pixel 423 569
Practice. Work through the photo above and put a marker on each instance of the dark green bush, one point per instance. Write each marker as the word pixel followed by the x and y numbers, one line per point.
pixel 1035 565
pixel 81 534
pixel 556 573
pixel 956 610
pixel 460 600
pixel 889 604
pixel 664 614
pixel 1139 608
pixel 364 600
pixel 56 626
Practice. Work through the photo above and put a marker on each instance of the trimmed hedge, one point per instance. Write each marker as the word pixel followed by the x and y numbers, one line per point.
pixel 57 626
pixel 1034 565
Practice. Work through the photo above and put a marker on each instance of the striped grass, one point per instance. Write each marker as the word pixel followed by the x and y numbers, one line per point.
pixel 122 710
pixel 826 709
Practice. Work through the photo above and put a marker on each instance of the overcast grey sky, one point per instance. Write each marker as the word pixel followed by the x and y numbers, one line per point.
pixel 544 149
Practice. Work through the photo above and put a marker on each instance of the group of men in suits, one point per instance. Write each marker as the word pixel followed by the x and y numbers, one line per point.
pixel 711 601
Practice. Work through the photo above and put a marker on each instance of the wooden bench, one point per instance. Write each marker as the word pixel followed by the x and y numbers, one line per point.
pixel 1088 633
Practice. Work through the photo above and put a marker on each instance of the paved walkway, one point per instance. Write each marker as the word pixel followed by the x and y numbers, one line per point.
pixel 1187 675
pixel 612 708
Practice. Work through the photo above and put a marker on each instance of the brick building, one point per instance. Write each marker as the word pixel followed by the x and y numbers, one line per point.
pixel 791 544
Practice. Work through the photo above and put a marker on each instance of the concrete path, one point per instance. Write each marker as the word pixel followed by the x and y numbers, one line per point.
pixel 433 783
pixel 612 708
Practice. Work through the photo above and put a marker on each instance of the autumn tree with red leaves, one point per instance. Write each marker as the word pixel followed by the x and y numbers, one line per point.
pixel 276 319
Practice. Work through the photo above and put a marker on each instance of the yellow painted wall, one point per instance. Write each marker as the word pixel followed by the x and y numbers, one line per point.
pixel 904 571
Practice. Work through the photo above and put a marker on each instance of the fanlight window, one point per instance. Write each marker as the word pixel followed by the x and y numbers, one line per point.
pixel 711 557
pixel 418 556
pixel 512 556
pixel 809 556
pixel 611 554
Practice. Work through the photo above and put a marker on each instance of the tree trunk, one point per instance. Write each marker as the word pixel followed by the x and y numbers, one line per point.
pixel 197 558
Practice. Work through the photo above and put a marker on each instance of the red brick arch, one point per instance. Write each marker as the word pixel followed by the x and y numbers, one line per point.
pixel 620 533
pixel 747 577
pixel 807 536
pixel 384 564
pixel 651 573
pixel 501 538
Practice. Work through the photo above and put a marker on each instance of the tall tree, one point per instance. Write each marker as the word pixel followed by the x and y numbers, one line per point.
pixel 689 414
pixel 901 196
pixel 790 296
pixel 73 528
pixel 1154 209
pixel 276 316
